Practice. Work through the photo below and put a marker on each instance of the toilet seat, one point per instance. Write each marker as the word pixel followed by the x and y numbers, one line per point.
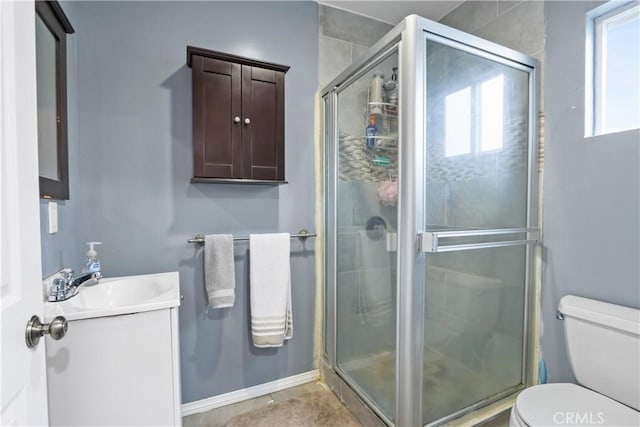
pixel 565 404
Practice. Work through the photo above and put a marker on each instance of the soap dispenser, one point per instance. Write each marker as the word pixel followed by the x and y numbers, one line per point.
pixel 92 265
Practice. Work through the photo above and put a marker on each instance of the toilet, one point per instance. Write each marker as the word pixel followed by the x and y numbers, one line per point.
pixel 603 345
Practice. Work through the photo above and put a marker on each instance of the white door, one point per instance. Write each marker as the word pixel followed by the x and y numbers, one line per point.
pixel 23 387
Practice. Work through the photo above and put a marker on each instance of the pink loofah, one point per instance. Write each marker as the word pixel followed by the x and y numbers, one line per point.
pixel 388 193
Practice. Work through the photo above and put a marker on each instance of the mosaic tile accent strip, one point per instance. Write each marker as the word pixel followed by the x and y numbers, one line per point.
pixel 356 161
pixel 510 160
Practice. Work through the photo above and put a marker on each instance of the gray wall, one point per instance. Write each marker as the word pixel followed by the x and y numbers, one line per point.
pixel 591 192
pixel 63 249
pixel 135 156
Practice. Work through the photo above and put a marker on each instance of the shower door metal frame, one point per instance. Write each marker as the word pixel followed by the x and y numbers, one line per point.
pixel 411 36
pixel 413 201
pixel 388 45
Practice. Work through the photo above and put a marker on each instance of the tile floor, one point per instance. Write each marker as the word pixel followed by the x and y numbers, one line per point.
pixel 308 405
pixel 500 420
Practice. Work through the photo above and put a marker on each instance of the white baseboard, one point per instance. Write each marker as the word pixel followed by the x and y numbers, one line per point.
pixel 248 393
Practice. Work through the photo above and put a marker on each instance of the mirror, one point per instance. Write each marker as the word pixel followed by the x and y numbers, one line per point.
pixel 52 27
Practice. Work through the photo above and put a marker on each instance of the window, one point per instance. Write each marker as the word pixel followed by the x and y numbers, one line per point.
pixel 491 114
pixel 474 118
pixel 614 43
pixel 458 123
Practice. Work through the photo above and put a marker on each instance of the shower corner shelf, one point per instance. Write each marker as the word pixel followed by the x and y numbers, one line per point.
pixel 387 118
pixel 389 143
pixel 387 109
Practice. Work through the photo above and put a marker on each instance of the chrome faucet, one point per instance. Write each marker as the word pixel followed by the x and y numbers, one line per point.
pixel 65 286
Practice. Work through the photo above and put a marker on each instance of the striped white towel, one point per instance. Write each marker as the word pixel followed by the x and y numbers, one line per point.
pixel 270 289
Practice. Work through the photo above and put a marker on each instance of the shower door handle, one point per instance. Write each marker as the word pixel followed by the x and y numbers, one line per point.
pixel 432 241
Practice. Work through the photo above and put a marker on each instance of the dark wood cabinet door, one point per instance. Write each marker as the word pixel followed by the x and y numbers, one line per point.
pixel 238 118
pixel 263 123
pixel 217 128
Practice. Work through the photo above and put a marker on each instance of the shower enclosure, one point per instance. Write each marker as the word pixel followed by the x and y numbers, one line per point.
pixel 430 224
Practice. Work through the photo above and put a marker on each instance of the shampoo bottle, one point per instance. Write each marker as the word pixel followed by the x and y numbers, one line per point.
pixel 375 92
pixel 371 131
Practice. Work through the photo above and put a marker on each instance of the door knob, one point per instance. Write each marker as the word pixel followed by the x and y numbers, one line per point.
pixel 247 121
pixel 35 329
pixel 236 119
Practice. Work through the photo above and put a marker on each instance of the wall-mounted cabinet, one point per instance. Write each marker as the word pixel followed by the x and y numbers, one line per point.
pixel 238 118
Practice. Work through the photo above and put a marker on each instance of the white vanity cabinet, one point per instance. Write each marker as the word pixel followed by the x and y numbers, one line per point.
pixel 116 369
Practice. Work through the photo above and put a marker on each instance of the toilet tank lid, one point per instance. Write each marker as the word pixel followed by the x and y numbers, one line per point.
pixel 614 316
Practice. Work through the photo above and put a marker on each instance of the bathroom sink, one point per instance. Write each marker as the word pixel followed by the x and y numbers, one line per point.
pixel 119 295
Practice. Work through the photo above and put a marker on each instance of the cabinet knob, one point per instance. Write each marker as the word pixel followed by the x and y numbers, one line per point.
pixel 247 121
pixel 236 119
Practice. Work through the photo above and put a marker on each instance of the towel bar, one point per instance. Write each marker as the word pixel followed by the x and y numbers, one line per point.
pixel 302 234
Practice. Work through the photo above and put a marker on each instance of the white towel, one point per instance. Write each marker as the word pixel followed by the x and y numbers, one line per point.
pixel 270 289
pixel 219 273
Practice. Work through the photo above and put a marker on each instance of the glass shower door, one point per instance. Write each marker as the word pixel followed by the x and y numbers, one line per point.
pixel 366 224
pixel 476 210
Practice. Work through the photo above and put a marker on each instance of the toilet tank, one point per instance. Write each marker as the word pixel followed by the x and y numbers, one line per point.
pixel 603 344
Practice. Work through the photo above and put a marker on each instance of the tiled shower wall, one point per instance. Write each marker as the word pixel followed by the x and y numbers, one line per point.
pixel 344 37
pixel 518 25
